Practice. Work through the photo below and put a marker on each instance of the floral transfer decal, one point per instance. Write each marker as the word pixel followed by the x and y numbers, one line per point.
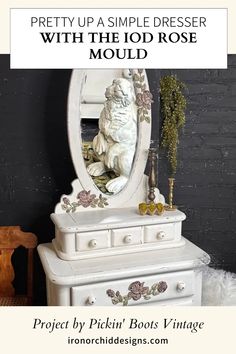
pixel 84 199
pixel 144 98
pixel 137 290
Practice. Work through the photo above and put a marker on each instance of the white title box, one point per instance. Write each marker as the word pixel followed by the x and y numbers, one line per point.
pixel 119 38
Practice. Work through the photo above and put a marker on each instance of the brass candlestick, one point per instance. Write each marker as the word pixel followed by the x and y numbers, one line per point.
pixel 152 181
pixel 171 207
pixel 151 208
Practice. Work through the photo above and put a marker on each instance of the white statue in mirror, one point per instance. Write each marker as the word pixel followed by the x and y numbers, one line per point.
pixel 115 144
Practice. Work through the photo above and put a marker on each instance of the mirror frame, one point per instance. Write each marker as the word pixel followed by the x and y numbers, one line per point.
pixel 135 190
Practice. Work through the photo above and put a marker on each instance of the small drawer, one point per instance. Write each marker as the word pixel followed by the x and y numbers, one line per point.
pixel 90 241
pixel 136 291
pixel 126 237
pixel 156 233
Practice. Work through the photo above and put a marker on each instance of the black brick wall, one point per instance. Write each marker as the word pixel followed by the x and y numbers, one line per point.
pixel 35 163
pixel 36 168
pixel 206 178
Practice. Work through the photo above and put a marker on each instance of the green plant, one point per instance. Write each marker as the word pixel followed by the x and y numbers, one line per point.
pixel 173 104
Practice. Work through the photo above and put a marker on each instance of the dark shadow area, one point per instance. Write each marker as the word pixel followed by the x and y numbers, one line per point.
pixel 19 263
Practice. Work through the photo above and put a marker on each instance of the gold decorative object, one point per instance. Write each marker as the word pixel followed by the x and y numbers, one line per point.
pixel 151 208
pixel 160 208
pixel 171 207
pixel 143 207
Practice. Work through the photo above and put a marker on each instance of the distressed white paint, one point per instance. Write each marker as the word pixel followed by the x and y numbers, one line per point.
pixel 106 232
pixel 112 247
pixel 90 278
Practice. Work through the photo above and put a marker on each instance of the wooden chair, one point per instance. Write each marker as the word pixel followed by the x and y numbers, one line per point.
pixel 11 237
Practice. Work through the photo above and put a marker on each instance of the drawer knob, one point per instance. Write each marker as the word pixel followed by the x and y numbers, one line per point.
pixel 181 286
pixel 91 300
pixel 161 235
pixel 92 243
pixel 127 238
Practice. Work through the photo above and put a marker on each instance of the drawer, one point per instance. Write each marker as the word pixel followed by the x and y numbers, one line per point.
pixel 136 291
pixel 126 236
pixel 88 241
pixel 163 232
pixel 183 301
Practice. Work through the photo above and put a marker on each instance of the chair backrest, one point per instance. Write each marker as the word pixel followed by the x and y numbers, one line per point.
pixel 11 237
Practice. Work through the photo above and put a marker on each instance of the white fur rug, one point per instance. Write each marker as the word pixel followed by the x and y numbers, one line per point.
pixel 218 288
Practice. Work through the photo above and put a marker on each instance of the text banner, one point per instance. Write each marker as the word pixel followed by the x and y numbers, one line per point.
pixel 118 38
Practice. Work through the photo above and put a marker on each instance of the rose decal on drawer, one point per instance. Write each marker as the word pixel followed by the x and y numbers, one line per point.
pixel 137 290
pixel 162 286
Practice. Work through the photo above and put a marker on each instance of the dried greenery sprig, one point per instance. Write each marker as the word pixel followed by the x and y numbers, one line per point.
pixel 173 104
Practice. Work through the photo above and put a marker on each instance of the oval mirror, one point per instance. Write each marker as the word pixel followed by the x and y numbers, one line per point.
pixel 109 129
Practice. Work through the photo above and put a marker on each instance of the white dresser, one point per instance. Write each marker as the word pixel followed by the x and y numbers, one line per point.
pixel 115 231
pixel 157 277
pixel 105 251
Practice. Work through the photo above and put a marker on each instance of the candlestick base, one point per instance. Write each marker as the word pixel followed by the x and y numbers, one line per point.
pixel 170 207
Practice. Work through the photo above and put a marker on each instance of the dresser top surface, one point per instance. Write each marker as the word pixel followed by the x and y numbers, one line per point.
pixel 92 270
pixel 107 218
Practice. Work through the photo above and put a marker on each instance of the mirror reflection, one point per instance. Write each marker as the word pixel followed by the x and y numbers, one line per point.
pixel 109 139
